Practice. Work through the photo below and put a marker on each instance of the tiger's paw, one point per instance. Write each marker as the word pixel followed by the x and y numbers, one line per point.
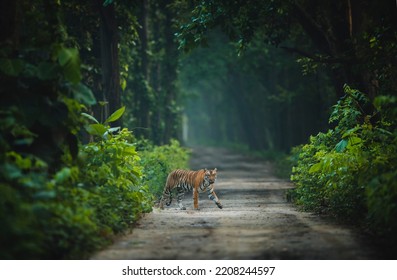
pixel 182 208
pixel 219 205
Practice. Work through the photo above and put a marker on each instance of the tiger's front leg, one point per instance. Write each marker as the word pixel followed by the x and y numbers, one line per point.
pixel 213 197
pixel 195 198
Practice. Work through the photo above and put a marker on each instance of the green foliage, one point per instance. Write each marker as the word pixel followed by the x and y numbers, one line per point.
pixel 350 171
pixel 103 130
pixel 111 168
pixel 69 59
pixel 159 161
pixel 40 118
pixel 59 198
pixel 238 19
pixel 76 206
pixel 149 69
pixel 258 99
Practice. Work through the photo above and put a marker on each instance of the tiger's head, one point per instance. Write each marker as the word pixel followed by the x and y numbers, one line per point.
pixel 209 176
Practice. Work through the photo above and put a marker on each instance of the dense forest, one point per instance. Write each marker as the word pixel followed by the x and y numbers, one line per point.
pixel 99 98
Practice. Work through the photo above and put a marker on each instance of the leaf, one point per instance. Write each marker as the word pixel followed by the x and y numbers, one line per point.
pixel 69 59
pixel 123 83
pixel 341 146
pixel 354 140
pixel 47 71
pixel 11 171
pixel 66 55
pixel 116 115
pixel 11 67
pixel 62 175
pixel 130 151
pixel 351 131
pixel 107 2
pixel 30 70
pixel 88 116
pixel 83 94
pixel 114 129
pixel 384 131
pixel 45 195
pixel 20 161
pixel 110 131
pixel 316 167
pixel 24 141
pixel 96 129
pixel 72 73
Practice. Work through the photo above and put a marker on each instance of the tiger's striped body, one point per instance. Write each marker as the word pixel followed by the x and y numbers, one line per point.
pixel 186 180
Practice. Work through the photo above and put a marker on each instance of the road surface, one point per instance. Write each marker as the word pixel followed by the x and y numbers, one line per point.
pixel 256 221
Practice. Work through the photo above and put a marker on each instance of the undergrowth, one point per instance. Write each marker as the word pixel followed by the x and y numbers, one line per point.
pixel 61 198
pixel 350 171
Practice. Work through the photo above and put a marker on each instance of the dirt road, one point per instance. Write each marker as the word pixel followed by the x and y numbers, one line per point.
pixel 256 222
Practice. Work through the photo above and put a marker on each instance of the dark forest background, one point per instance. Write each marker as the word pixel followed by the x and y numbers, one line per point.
pixel 99 98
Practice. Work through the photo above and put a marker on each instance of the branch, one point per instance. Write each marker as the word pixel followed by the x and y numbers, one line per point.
pixel 319 58
pixel 312 28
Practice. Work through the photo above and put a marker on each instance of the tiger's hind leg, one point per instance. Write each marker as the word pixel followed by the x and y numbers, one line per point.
pixel 167 197
pixel 180 195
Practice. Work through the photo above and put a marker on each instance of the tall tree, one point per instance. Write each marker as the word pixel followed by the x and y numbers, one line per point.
pixel 356 39
pixel 142 91
pixel 9 16
pixel 260 99
pixel 109 53
pixel 169 73
pixel 151 88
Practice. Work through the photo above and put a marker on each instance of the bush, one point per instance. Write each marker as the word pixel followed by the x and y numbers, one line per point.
pixel 111 169
pixel 69 210
pixel 60 199
pixel 350 170
pixel 159 161
pixel 39 119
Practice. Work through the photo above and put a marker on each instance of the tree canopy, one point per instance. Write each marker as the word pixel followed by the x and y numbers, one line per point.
pixel 355 38
pixel 95 95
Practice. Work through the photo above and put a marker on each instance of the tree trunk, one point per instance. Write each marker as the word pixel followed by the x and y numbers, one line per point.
pixel 142 100
pixel 170 76
pixel 251 130
pixel 9 16
pixel 109 58
pixel 156 74
pixel 334 39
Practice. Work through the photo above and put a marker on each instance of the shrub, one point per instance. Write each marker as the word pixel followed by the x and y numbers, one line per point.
pixel 111 169
pixel 39 120
pixel 60 199
pixel 69 210
pixel 159 161
pixel 350 171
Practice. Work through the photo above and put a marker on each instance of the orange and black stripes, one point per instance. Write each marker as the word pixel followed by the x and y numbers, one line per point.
pixel 186 180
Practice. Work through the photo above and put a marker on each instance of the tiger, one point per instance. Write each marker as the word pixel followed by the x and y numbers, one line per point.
pixel 186 180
